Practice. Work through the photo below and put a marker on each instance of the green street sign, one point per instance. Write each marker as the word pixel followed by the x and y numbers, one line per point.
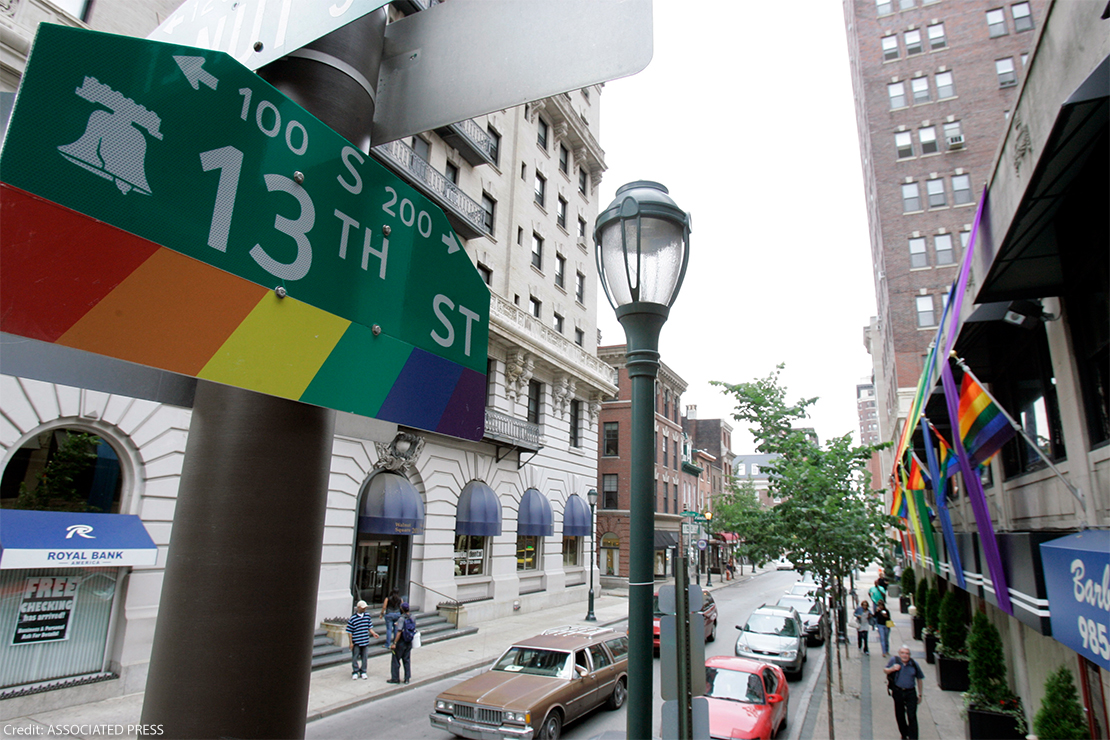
pixel 188 149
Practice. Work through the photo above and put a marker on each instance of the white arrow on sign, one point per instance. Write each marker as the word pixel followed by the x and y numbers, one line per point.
pixel 193 69
pixel 451 242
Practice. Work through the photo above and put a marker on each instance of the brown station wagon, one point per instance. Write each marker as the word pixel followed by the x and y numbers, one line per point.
pixel 539 685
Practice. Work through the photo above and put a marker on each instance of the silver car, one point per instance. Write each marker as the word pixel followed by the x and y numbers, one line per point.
pixel 774 634
pixel 811 609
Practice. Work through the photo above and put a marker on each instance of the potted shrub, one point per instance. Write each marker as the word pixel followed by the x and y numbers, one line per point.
pixel 1060 716
pixel 951 652
pixel 909 586
pixel 992 709
pixel 921 602
pixel 931 631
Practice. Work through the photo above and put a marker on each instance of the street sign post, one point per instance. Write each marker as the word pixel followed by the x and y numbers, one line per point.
pixel 227 234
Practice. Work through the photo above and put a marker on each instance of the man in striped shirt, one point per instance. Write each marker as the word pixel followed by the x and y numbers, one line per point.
pixel 360 627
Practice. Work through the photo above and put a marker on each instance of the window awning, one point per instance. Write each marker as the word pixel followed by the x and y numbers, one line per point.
pixel 576 517
pixel 665 540
pixel 66 539
pixel 391 505
pixel 479 511
pixel 535 517
pixel 729 536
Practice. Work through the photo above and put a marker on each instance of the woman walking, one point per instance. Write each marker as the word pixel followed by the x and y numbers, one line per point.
pixel 882 624
pixel 391 613
pixel 863 626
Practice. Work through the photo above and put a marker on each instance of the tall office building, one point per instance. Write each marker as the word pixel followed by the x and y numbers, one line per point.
pixel 935 81
pixel 503 522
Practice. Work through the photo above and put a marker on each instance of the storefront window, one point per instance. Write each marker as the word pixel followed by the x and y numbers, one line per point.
pixel 1027 389
pixel 63 470
pixel 610 554
pixel 527 552
pixel 470 555
pixel 571 545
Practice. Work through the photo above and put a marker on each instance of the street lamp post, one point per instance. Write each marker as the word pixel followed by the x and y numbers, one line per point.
pixel 642 241
pixel 591 495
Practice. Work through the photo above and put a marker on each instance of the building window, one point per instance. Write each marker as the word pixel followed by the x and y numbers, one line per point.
pixel 486 273
pixel 1004 68
pixel 1027 389
pixel 897 93
pixel 953 135
pixel 535 400
pixel 451 171
pixel 961 189
pixel 911 198
pixel 541 133
pixel 920 87
pixel 918 256
pixel 580 288
pixel 557 322
pixel 996 23
pixel 937 37
pixel 561 212
pixel 560 270
pixel 935 191
pixel 928 138
pixel 610 439
pixel 906 4
pixel 609 491
pixel 581 227
pixel 904 142
pixel 884 7
pixel 579 337
pixel 925 313
pixel 913 42
pixel 564 159
pixel 489 207
pixel 571 546
pixel 537 306
pixel 942 244
pixel 470 555
pixel 666 497
pixel 575 421
pixel 541 189
pixel 524 172
pixel 965 237
pixel 422 148
pixel 890 48
pixel 537 251
pixel 491 372
pixel 946 86
pixel 494 144
pixel 527 551
pixel 1023 19
pixel 583 181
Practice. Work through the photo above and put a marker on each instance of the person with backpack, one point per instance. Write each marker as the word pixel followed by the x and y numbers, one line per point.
pixel 402 646
pixel 901 672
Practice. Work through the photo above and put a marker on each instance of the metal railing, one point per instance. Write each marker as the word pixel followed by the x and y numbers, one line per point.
pixel 476 135
pixel 500 425
pixel 452 603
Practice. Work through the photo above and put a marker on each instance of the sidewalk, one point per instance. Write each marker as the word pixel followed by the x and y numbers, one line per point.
pixel 332 690
pixel 864 710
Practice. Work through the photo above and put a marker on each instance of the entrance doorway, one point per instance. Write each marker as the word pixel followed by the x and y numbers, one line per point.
pixel 381 565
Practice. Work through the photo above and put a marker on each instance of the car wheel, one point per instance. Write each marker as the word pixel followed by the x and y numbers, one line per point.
pixel 712 632
pixel 552 726
pixel 616 699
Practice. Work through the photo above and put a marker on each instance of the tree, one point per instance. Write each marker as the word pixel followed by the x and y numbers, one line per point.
pixel 739 511
pixel 830 522
pixel 1060 716
pixel 61 484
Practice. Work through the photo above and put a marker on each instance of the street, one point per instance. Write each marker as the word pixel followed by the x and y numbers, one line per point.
pixel 406 714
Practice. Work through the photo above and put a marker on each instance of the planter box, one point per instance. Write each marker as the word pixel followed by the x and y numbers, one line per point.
pixel 930 649
pixel 952 674
pixel 893 591
pixel 918 626
pixel 337 633
pixel 985 725
pixel 904 604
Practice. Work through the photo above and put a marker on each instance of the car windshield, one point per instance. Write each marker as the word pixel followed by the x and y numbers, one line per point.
pixel 741 686
pixel 803 604
pixel 535 661
pixel 769 624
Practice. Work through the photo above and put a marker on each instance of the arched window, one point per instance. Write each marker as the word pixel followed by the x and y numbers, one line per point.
pixel 63 469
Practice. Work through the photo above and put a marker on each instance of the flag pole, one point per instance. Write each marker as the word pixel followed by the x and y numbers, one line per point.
pixel 1017 428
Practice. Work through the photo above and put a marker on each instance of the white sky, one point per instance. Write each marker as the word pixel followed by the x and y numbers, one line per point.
pixel 746 114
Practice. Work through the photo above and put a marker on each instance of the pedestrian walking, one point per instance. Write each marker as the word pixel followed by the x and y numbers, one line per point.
pixel 864 618
pixel 877 592
pixel 883 623
pixel 905 671
pixel 402 647
pixel 360 627
pixel 391 612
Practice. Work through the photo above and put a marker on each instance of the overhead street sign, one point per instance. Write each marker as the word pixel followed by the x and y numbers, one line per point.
pixel 256 32
pixel 164 205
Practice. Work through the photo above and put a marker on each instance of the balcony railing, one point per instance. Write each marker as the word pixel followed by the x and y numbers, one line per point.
pixel 473 143
pixel 465 215
pixel 504 428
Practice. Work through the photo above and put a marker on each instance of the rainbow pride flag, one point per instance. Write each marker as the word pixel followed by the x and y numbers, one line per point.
pixel 984 428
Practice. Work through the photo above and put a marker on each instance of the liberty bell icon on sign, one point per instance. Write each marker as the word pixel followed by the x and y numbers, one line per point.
pixel 112 147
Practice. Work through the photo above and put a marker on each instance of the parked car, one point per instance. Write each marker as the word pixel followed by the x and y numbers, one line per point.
pixel 747 699
pixel 774 634
pixel 708 613
pixel 811 609
pixel 538 686
pixel 802 588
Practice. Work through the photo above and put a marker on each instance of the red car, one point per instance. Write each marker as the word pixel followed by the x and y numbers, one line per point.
pixel 708 612
pixel 747 699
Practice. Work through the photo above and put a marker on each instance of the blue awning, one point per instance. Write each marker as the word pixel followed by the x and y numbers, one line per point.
pixel 391 505
pixel 66 539
pixel 535 517
pixel 479 511
pixel 576 517
pixel 1076 576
